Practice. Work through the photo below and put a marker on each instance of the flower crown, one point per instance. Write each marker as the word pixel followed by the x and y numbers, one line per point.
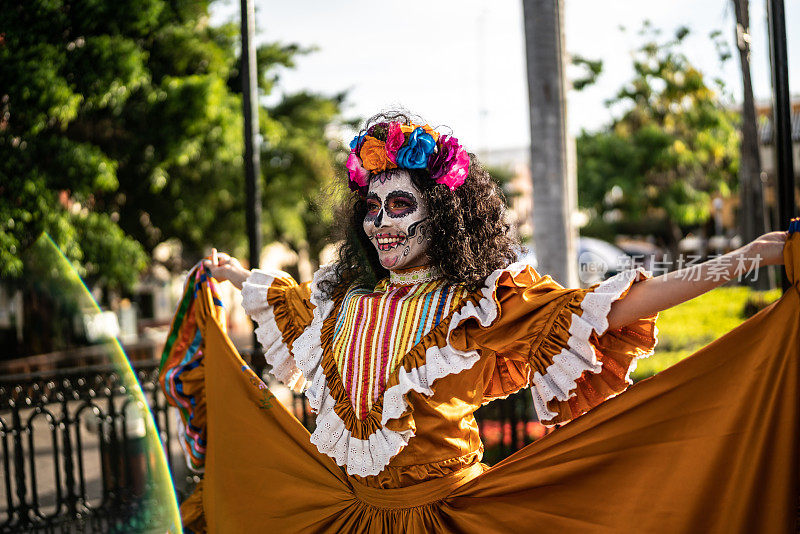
pixel 392 145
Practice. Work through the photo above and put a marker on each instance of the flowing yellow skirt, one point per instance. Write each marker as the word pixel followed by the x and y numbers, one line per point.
pixel 709 445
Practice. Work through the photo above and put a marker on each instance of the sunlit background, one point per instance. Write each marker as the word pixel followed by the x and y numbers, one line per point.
pixel 121 142
pixel 462 63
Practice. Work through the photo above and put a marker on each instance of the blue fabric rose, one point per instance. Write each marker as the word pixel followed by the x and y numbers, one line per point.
pixel 414 154
pixel 357 141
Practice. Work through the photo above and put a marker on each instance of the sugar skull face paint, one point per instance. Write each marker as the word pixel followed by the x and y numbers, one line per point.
pixel 396 221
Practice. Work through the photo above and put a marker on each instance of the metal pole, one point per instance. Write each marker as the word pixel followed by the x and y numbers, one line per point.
pixel 751 194
pixel 781 115
pixel 252 164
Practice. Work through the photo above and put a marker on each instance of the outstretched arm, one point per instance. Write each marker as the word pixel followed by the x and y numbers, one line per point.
pixel 650 296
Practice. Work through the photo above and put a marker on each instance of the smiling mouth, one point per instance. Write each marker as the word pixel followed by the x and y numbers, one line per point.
pixel 389 241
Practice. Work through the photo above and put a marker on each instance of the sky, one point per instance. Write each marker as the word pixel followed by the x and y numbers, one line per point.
pixel 461 63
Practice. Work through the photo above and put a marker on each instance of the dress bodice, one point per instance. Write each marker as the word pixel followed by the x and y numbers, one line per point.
pixel 375 328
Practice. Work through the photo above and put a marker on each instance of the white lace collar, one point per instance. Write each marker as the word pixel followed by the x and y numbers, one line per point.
pixel 417 275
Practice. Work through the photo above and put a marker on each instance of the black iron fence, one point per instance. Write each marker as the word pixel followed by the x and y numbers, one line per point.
pixel 77 457
pixel 74 451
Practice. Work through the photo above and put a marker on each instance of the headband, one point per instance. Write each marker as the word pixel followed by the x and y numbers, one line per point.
pixel 396 145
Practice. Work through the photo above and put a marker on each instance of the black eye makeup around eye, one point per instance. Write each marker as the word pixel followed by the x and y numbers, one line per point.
pixel 400 204
pixel 373 206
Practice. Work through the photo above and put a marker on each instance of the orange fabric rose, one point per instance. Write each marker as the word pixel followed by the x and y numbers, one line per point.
pixel 433 133
pixel 373 156
pixel 408 128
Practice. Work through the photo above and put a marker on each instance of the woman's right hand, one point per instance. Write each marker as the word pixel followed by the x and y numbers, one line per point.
pixel 225 267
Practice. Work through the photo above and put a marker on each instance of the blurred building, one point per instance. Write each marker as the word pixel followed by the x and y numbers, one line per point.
pixel 724 211
pixel 520 188
pixel 767 148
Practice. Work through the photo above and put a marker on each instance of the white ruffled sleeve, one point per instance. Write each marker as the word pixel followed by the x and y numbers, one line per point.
pixel 589 362
pixel 282 309
pixel 557 342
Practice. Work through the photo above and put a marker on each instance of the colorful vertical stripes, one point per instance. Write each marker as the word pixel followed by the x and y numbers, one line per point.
pixel 181 372
pixel 375 329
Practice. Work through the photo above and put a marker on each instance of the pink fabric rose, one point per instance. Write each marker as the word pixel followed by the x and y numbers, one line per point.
pixel 450 165
pixel 394 141
pixel 458 171
pixel 358 174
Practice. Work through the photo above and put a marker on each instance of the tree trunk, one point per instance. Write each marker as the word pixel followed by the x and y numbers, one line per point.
pixel 554 198
pixel 673 240
pixel 751 213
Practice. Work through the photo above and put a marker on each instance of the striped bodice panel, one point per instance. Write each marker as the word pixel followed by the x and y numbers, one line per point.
pixel 375 329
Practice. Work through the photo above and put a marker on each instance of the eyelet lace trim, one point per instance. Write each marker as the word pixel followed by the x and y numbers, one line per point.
pixel 276 352
pixel 560 378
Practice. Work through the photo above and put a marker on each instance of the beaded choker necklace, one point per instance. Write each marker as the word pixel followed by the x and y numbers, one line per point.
pixel 417 275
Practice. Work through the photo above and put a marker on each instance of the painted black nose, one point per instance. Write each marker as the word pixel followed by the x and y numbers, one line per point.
pixel 379 219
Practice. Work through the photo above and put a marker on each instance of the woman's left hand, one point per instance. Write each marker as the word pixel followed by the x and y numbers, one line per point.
pixel 225 267
pixel 769 247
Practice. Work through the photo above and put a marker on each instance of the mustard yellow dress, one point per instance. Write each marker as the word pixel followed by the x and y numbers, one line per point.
pixel 395 374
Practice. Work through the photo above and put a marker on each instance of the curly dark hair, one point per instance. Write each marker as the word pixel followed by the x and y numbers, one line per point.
pixel 469 237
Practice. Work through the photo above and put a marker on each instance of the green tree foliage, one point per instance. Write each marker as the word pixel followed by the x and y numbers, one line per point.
pixel 59 65
pixel 675 145
pixel 301 170
pixel 120 127
pixel 590 71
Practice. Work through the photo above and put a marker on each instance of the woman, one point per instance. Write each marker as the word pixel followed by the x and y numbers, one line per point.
pixel 423 319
